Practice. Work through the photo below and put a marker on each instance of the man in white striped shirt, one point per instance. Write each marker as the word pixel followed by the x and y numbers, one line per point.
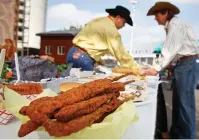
pixel 180 47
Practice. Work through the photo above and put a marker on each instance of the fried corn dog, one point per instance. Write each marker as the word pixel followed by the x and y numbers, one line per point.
pixel 83 92
pixel 27 128
pixel 85 107
pixel 58 129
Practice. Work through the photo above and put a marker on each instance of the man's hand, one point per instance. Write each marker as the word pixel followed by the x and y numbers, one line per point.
pixel 151 71
pixel 143 72
pixel 101 62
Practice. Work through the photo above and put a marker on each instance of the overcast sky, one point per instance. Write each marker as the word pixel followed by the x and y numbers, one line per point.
pixel 63 13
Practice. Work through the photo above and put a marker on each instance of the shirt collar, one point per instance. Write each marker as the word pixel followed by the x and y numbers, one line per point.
pixel 166 27
pixel 111 19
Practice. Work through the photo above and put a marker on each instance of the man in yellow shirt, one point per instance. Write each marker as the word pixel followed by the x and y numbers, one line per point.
pixel 100 37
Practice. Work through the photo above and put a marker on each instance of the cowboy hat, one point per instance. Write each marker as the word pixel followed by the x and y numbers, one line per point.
pixel 123 12
pixel 162 5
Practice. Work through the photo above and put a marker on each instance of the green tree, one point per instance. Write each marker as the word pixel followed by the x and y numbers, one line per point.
pixel 77 27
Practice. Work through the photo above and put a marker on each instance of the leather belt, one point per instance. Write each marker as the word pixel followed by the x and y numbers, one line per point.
pixel 187 57
pixel 81 49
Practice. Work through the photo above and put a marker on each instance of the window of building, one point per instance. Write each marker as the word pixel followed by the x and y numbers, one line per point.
pixel 21 3
pixel 47 49
pixel 20 29
pixel 21 20
pixel 150 61
pixel 20 38
pixel 21 11
pixel 143 59
pixel 60 50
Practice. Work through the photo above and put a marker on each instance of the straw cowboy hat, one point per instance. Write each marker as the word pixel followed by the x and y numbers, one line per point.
pixel 123 12
pixel 163 5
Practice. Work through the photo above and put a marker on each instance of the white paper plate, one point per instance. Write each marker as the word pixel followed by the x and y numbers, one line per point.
pixel 142 103
pixel 145 102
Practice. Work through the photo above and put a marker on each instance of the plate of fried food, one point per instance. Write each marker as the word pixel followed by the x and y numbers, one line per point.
pixel 76 109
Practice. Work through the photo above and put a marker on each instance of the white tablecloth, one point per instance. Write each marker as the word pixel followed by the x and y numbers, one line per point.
pixel 144 128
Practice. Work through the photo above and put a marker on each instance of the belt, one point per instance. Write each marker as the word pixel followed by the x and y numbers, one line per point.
pixel 81 49
pixel 187 57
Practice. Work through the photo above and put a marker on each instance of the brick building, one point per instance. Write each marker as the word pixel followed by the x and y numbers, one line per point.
pixel 56 44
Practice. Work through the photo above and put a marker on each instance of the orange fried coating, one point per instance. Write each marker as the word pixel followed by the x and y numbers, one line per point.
pixel 27 88
pixel 58 129
pixel 27 128
pixel 50 106
pixel 85 107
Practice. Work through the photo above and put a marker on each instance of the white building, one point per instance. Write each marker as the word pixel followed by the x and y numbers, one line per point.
pixel 143 53
pixel 31 20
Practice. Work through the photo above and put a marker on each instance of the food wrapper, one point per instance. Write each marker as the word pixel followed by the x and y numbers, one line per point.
pixel 5 116
pixel 113 126
pixel 14 101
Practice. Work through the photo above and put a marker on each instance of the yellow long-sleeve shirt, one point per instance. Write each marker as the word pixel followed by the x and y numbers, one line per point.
pixel 100 37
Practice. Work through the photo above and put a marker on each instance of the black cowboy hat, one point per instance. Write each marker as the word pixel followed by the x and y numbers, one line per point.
pixel 123 12
pixel 163 5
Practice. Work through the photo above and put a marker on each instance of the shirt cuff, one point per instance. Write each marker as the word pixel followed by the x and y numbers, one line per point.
pixel 157 68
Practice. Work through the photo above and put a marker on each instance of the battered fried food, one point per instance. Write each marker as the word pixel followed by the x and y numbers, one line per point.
pixel 42 109
pixel 50 106
pixel 27 128
pixel 103 116
pixel 58 129
pixel 82 108
pixel 23 110
pixel 117 86
pixel 33 104
pixel 83 92
pixel 125 71
pixel 107 113
pixel 122 76
pixel 46 109
pixel 27 88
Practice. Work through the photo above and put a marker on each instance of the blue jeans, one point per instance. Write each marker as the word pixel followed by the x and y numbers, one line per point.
pixel 80 59
pixel 186 76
